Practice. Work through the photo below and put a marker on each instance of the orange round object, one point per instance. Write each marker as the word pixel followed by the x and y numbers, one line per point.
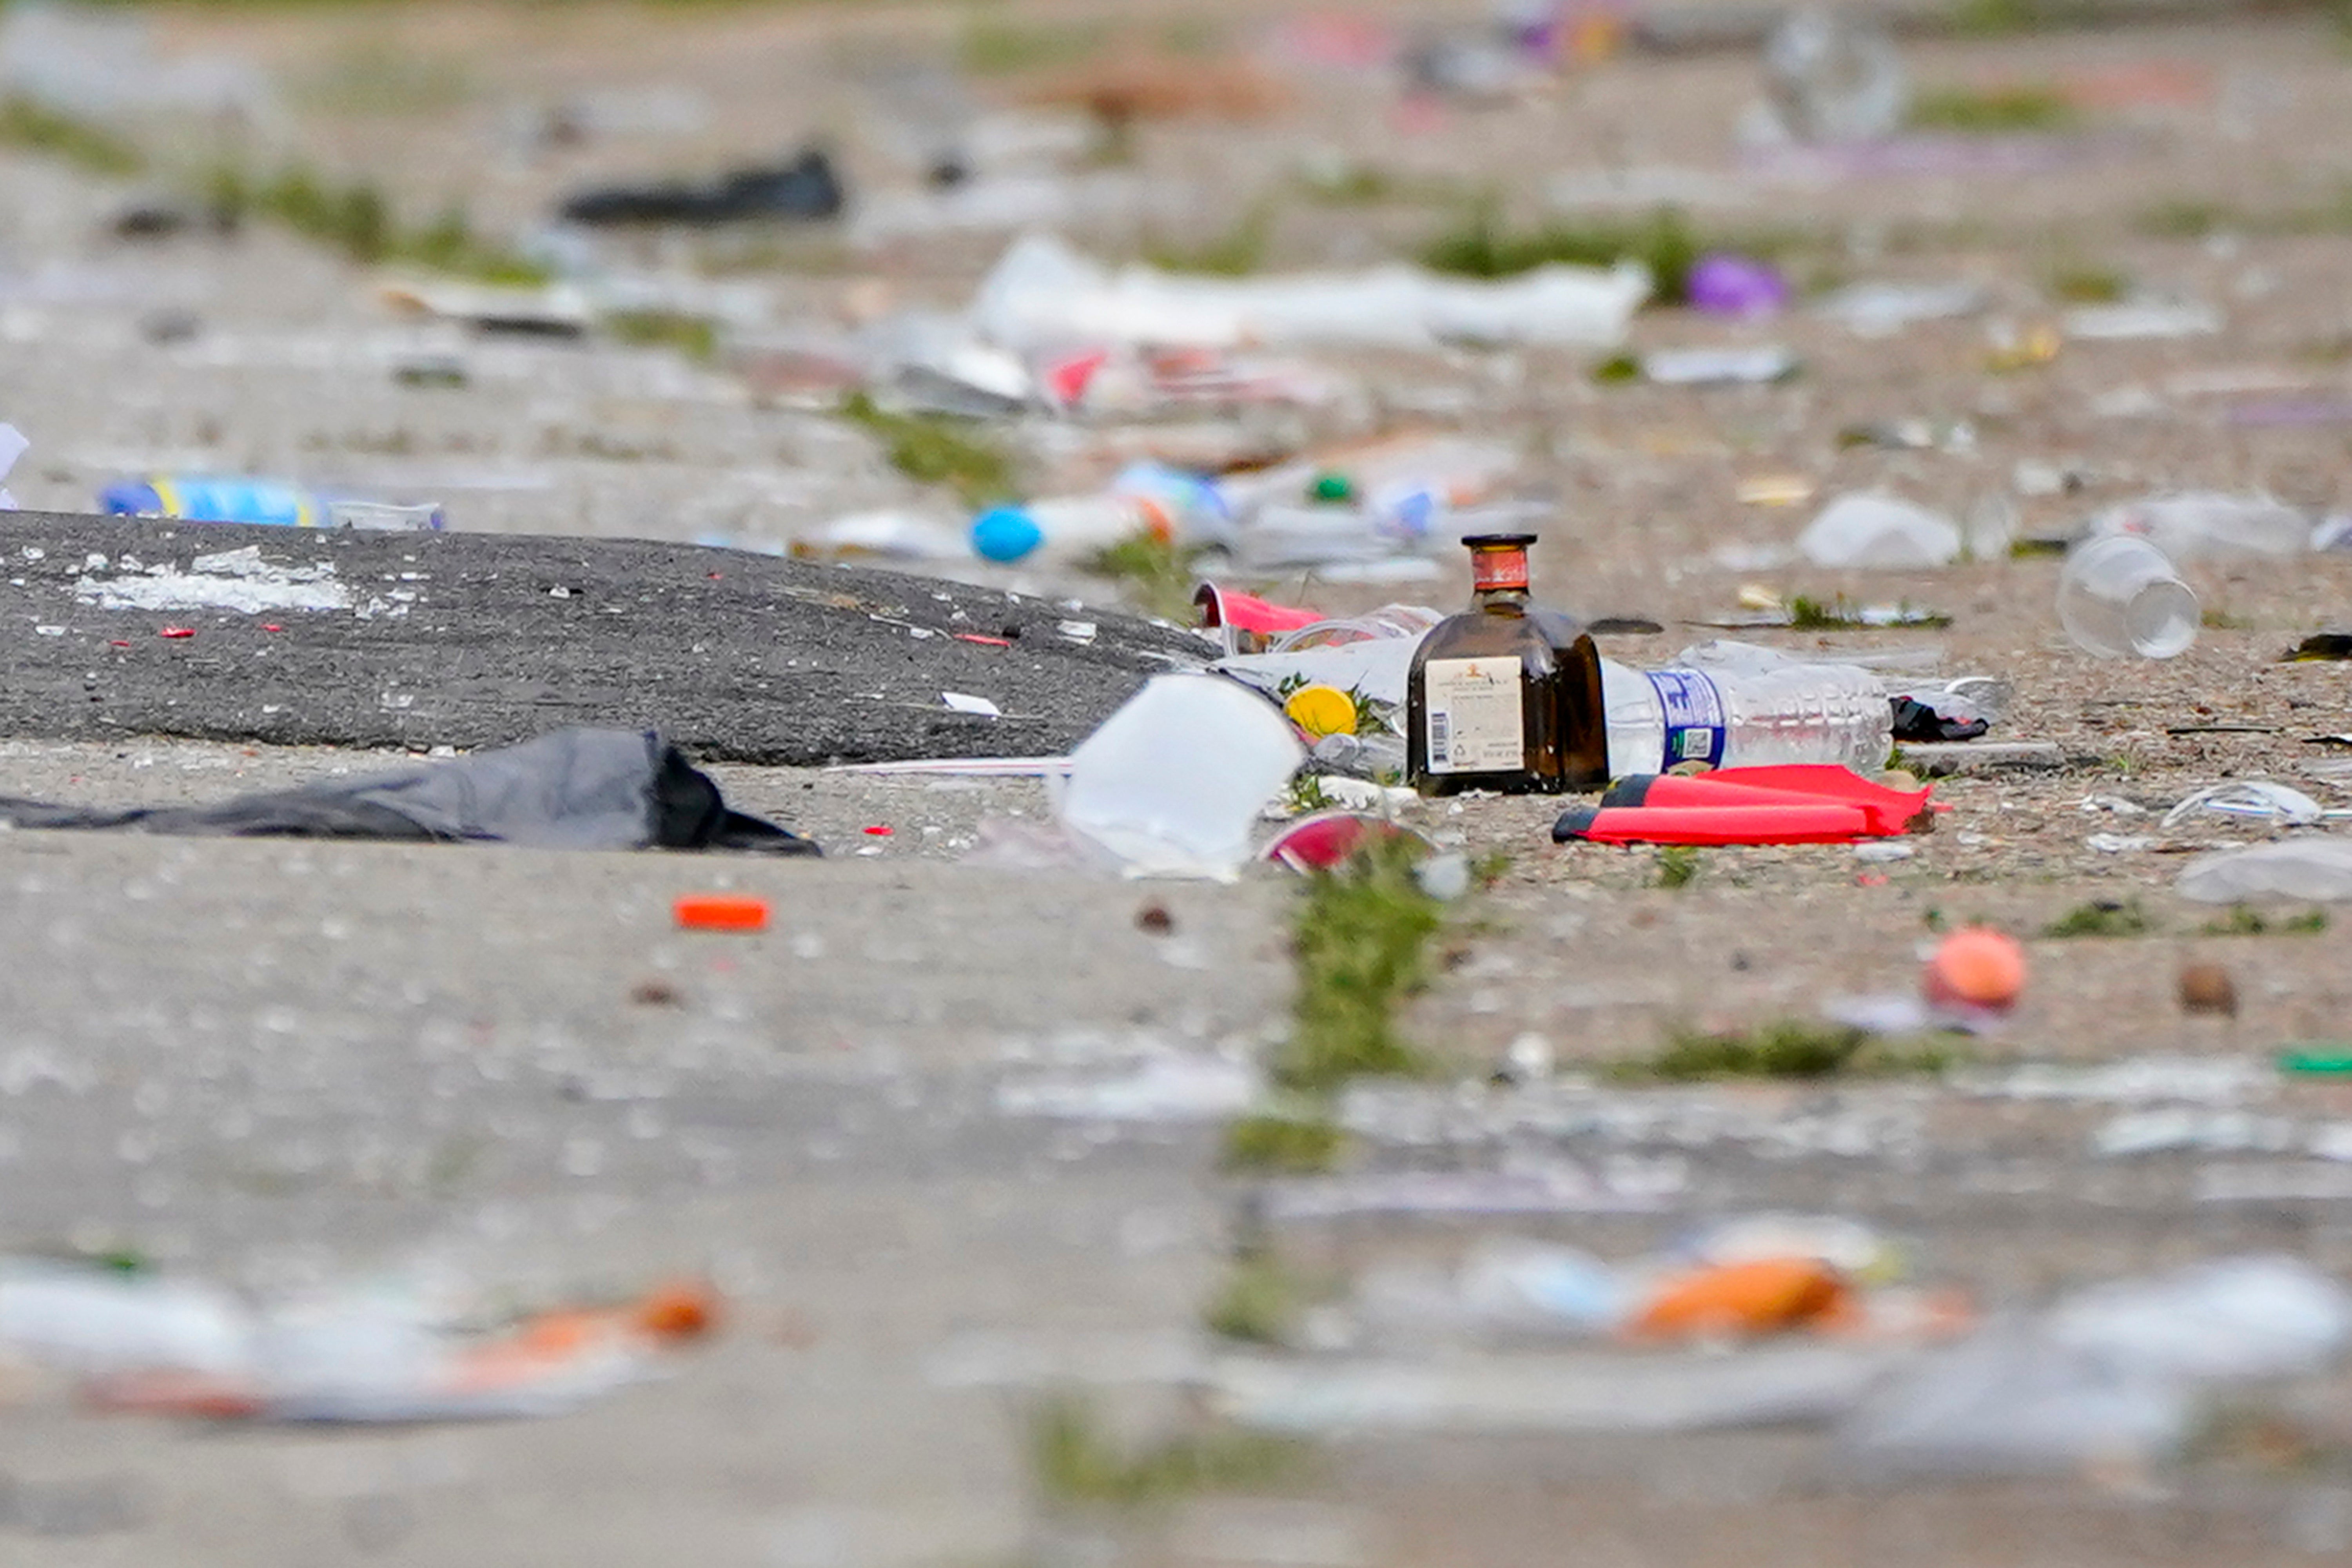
pixel 721 912
pixel 1979 967
pixel 683 1309
pixel 1764 1296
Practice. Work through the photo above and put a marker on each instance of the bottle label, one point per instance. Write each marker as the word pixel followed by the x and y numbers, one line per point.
pixel 1693 711
pixel 1498 569
pixel 1474 714
pixel 235 500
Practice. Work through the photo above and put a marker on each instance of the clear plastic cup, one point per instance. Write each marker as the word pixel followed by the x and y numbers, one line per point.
pixel 1173 782
pixel 2119 595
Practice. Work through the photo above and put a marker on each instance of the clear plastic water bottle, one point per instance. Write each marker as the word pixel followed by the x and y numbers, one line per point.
pixel 199 500
pixel 1739 706
pixel 1146 499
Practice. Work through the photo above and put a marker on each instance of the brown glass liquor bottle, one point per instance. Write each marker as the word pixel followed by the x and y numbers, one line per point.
pixel 1507 695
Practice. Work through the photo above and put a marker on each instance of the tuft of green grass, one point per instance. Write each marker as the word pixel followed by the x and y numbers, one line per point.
pixel 34 127
pixel 1258 1304
pixel 993 47
pixel 1308 794
pixel 1271 1143
pixel 2086 285
pixel 1993 111
pixel 1362 184
pixel 1360 941
pixel 694 336
pixel 353 220
pixel 2195 218
pixel 1808 614
pixel 1157 574
pixel 1193 37
pixel 1480 247
pixel 1996 18
pixel 1349 185
pixel 1677 865
pixel 2101 917
pixel 2185 218
pixel 357 220
pixel 1790 1048
pixel 1075 1460
pixel 934 451
pixel 449 244
pixel 2243 921
pixel 1236 253
pixel 372 77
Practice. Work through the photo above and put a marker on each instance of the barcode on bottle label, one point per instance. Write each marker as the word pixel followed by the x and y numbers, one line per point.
pixel 1693 710
pixel 1474 721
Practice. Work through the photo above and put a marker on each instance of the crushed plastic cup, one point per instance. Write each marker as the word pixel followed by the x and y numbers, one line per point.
pixel 1872 529
pixel 188 1348
pixel 1247 624
pixel 2120 596
pixel 100 1322
pixel 2015 1400
pixel 2229 1320
pixel 1044 296
pixel 1517 1283
pixel 1876 310
pixel 1756 366
pixel 1171 784
pixel 1328 840
pixel 1832 77
pixel 12 443
pixel 2258 800
pixel 2198 524
pixel 2317 869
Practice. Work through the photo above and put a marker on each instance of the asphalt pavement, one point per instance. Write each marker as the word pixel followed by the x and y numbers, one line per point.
pixel 448 639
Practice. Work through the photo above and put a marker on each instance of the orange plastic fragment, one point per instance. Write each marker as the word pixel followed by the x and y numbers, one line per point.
pixel 684 1309
pixel 1767 1296
pixel 721 912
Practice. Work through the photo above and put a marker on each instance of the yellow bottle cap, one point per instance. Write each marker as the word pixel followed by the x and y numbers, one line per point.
pixel 1322 710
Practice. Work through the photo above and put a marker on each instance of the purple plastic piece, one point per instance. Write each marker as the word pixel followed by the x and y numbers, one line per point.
pixel 1725 284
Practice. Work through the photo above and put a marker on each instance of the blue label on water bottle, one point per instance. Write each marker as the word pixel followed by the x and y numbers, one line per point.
pixel 1693 711
pixel 199 500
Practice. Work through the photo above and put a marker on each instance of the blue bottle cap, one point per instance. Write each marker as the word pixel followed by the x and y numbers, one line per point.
pixel 130 500
pixel 1005 533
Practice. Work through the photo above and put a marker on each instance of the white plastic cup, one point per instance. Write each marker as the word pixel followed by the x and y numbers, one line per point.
pixel 2119 595
pixel 1173 782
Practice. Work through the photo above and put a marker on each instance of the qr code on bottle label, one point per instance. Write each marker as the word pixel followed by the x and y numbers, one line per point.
pixel 1693 711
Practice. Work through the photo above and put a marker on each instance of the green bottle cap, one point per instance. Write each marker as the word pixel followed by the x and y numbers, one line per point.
pixel 1332 486
pixel 2327 1058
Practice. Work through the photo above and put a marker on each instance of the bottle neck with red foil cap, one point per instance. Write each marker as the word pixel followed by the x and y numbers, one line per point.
pixel 1498 572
